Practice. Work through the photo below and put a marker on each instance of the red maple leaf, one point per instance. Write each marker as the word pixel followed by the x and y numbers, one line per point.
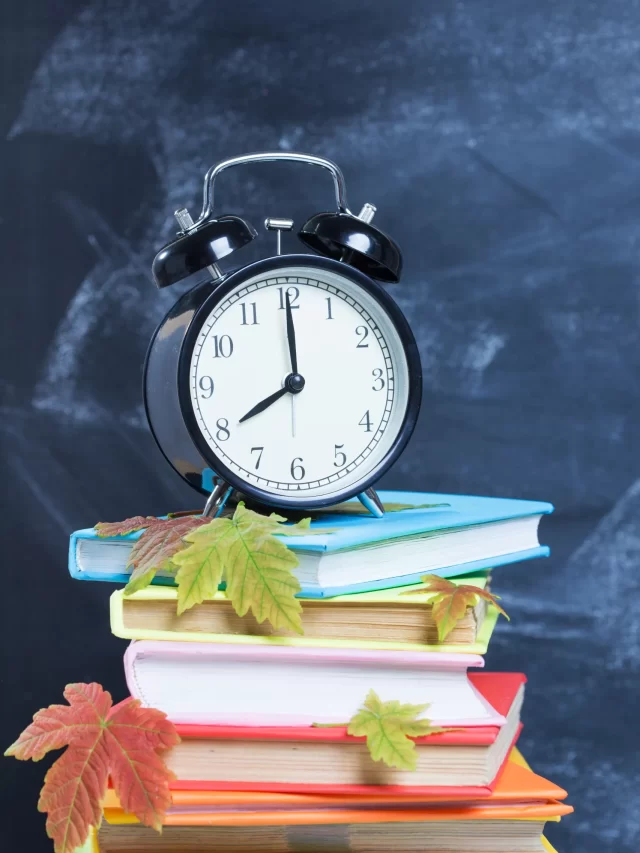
pixel 104 740
pixel 152 552
pixel 129 525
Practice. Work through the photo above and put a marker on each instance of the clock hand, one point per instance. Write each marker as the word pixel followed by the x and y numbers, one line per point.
pixel 264 404
pixel 293 384
pixel 291 336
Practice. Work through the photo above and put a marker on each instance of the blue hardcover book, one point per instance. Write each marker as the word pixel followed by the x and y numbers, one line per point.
pixel 447 535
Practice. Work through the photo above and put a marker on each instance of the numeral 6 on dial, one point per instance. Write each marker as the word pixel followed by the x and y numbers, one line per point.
pixel 297 471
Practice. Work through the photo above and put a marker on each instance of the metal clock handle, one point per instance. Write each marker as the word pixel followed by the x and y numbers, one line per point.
pixel 268 157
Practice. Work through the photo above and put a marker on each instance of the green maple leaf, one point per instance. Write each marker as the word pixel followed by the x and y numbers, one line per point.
pixel 256 565
pixel 389 727
pixel 201 563
pixel 260 569
pixel 243 549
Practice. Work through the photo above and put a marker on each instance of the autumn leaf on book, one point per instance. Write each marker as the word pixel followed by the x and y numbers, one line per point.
pixel 241 550
pixel 388 728
pixel 256 565
pixel 450 601
pixel 154 550
pixel 103 741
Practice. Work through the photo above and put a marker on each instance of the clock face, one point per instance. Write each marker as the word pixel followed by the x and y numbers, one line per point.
pixel 334 434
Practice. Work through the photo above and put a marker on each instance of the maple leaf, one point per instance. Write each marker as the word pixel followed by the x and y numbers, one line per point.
pixel 122 528
pixel 389 727
pixel 260 570
pixel 255 564
pixel 103 740
pixel 242 548
pixel 154 550
pixel 201 563
pixel 450 601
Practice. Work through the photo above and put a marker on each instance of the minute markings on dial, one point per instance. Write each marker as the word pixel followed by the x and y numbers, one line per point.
pixel 366 451
pixel 283 283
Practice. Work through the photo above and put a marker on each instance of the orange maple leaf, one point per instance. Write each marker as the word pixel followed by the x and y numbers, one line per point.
pixel 104 740
pixel 451 600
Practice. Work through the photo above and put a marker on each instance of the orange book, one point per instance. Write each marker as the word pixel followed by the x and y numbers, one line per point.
pixel 510 820
pixel 519 794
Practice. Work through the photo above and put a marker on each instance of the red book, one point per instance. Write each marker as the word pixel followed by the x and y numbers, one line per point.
pixel 461 764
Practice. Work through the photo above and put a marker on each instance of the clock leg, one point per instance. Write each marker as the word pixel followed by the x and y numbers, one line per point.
pixel 217 499
pixel 372 502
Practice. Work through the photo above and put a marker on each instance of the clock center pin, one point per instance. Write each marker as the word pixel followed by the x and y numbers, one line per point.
pixel 294 383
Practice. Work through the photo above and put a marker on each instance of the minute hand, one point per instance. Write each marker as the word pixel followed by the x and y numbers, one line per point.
pixel 264 404
pixel 291 336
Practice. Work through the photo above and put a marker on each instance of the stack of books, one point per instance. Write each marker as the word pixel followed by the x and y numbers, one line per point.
pixel 265 759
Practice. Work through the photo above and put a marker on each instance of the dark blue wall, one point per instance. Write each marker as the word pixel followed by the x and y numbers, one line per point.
pixel 500 142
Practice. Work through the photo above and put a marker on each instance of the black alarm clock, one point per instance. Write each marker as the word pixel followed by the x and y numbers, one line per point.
pixel 295 380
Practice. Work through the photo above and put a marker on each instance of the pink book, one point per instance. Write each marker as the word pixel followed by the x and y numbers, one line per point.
pixel 225 684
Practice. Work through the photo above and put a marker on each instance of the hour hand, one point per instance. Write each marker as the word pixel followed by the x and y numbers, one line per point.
pixel 264 404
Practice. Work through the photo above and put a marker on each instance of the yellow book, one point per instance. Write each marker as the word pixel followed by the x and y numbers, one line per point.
pixel 359 620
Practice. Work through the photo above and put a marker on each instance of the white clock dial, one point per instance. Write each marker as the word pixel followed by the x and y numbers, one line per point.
pixel 339 429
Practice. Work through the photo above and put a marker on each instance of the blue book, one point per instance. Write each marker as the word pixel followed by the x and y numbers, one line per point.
pixel 447 535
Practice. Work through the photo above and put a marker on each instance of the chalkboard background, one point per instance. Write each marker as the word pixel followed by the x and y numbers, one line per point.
pixel 500 142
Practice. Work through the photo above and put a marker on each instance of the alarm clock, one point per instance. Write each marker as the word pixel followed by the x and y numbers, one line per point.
pixel 294 380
